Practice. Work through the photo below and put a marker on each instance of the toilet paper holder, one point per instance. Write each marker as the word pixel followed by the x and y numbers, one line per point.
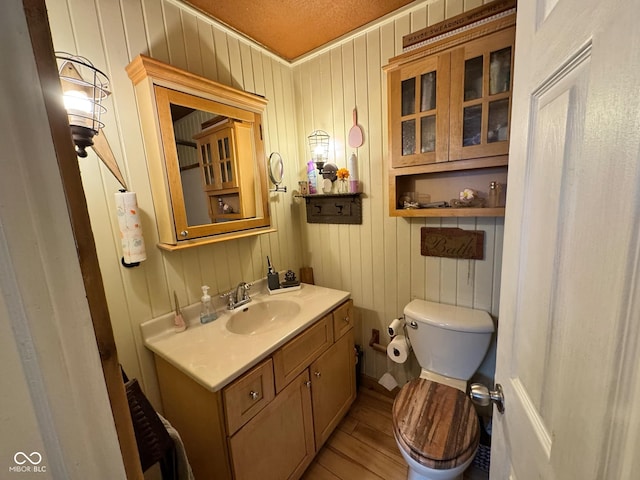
pixel 374 342
pixel 397 327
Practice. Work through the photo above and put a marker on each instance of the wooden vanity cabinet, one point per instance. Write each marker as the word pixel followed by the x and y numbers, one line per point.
pixel 449 105
pixel 198 415
pixel 271 420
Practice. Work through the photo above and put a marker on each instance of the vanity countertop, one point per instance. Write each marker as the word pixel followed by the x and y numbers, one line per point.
pixel 213 356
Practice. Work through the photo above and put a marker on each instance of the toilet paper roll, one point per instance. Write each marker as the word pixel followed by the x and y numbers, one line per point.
pixel 396 327
pixel 398 349
pixel 133 249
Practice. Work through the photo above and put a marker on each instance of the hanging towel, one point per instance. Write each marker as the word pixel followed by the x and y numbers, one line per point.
pixel 182 467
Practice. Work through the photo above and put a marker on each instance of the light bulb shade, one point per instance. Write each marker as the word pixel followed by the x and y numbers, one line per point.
pixel 84 87
pixel 319 146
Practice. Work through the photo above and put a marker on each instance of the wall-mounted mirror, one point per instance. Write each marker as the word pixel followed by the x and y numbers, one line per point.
pixel 276 172
pixel 205 155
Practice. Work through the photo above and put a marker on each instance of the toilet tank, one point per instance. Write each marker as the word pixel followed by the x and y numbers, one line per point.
pixel 446 339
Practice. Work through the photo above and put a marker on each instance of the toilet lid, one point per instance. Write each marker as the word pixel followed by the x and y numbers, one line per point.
pixel 436 424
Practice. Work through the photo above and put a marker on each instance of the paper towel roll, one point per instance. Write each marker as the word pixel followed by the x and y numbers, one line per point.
pixel 398 349
pixel 133 249
pixel 396 327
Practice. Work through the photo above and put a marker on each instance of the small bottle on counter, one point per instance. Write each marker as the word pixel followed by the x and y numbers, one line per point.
pixel 273 279
pixel 312 178
pixel 207 312
pixel 493 198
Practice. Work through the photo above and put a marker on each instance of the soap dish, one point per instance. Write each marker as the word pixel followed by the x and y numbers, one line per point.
pixel 284 289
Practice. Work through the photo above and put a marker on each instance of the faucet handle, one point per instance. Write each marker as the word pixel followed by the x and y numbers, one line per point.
pixel 245 291
pixel 229 297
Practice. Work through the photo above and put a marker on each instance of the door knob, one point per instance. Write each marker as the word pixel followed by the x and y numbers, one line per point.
pixel 481 395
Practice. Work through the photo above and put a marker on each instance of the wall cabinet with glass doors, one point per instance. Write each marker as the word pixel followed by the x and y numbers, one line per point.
pixel 449 119
pixel 226 168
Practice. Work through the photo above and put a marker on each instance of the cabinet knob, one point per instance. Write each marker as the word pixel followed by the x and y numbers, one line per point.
pixel 308 384
pixel 254 395
pixel 317 374
pixel 346 319
pixel 184 233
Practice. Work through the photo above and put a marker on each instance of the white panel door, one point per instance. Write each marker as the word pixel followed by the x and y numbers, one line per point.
pixel 568 340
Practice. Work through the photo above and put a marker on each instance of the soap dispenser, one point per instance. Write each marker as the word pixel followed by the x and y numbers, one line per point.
pixel 207 312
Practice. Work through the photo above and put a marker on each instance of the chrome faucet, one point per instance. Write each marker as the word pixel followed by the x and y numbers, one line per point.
pixel 238 296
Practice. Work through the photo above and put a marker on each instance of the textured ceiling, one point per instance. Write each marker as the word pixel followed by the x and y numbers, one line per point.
pixel 292 28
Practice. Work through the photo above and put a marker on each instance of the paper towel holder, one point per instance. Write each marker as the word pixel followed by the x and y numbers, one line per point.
pixel 129 265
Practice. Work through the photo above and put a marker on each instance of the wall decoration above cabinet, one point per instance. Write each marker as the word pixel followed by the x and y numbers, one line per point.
pixel 449 117
pixel 205 155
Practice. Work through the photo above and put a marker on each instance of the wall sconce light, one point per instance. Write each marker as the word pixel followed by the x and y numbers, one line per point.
pixel 82 98
pixel 84 87
pixel 319 147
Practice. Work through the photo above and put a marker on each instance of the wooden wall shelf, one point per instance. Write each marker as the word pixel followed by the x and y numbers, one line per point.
pixel 341 208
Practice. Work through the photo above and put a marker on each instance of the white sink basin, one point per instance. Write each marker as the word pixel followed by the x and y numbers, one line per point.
pixel 261 317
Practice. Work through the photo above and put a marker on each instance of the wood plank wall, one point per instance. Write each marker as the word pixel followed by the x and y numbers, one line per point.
pixel 378 261
pixel 111 33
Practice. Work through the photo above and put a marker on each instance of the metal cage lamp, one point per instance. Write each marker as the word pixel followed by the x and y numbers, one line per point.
pixel 82 98
pixel 319 148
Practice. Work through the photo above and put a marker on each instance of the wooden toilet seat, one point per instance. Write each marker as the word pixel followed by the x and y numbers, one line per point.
pixel 437 425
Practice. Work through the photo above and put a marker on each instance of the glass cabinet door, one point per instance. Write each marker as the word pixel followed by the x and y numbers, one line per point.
pixel 217 160
pixel 481 97
pixel 420 105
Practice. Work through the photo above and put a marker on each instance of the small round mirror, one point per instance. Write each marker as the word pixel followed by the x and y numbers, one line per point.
pixel 276 171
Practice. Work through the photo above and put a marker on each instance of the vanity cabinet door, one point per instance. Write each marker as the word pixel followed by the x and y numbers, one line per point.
pixel 277 444
pixel 333 386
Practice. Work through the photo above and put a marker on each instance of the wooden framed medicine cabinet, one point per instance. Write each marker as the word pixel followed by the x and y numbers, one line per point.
pixel 205 155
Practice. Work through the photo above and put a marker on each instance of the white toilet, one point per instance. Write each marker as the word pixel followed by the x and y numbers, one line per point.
pixel 434 422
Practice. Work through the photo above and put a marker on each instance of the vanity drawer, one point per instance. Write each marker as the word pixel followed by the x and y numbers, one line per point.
pixel 342 319
pixel 296 355
pixel 249 394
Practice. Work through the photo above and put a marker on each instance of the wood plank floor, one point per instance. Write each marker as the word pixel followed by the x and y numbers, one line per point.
pixel 363 447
